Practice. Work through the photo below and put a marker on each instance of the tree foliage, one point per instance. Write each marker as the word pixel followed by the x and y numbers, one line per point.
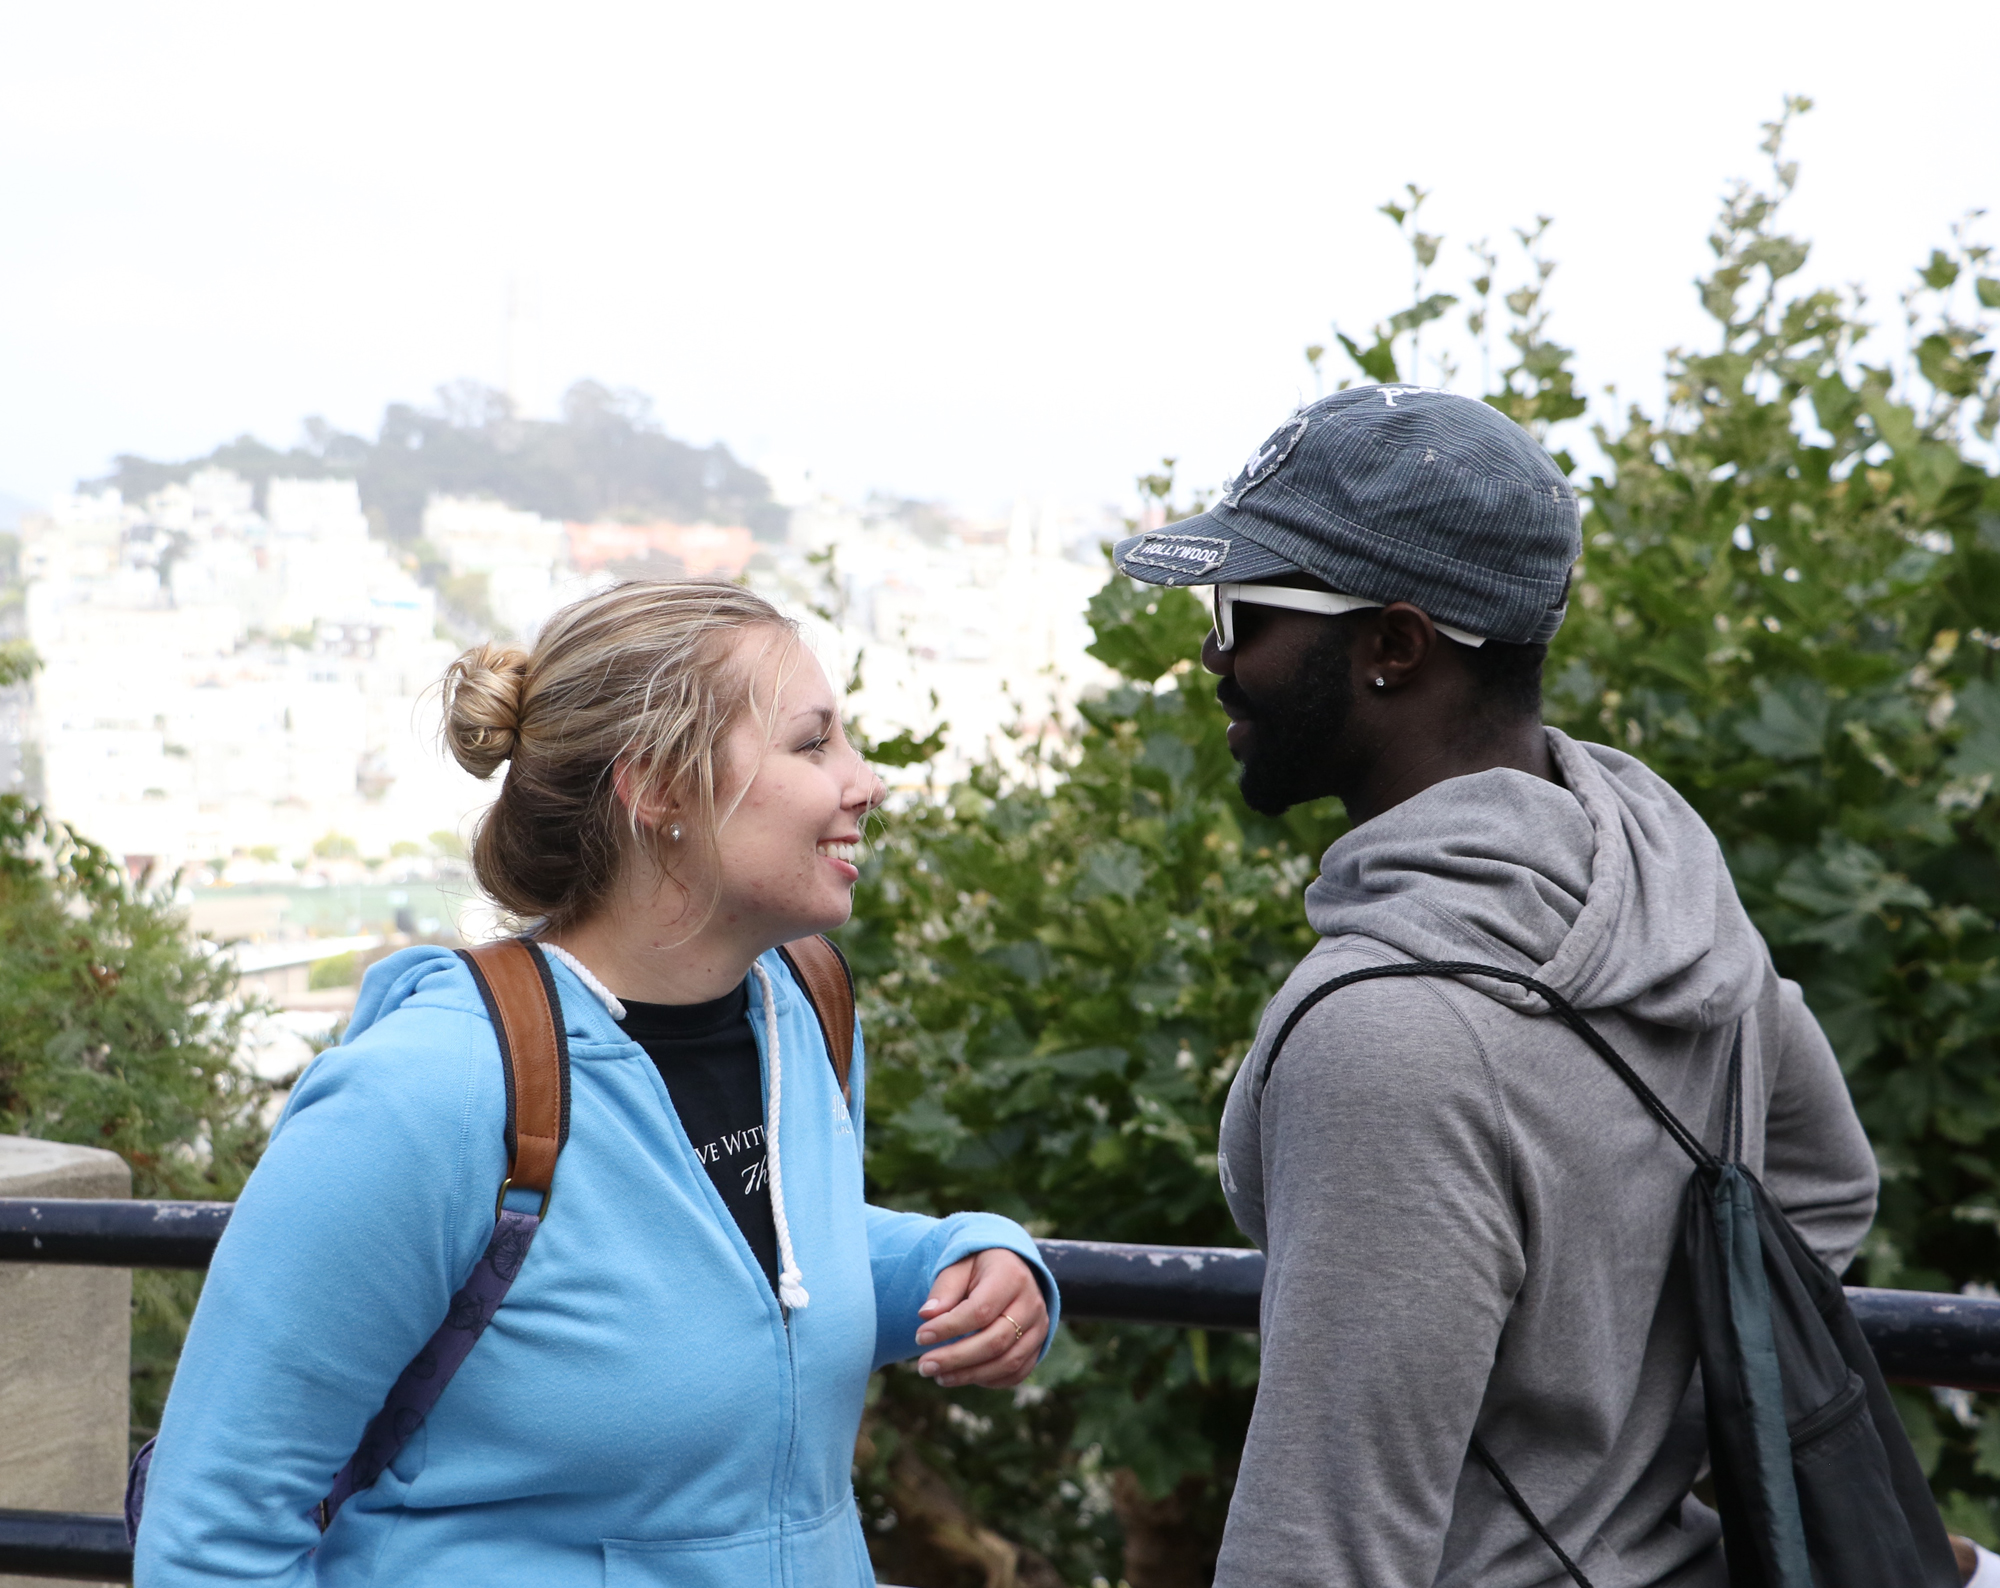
pixel 1061 972
pixel 1789 605
pixel 116 1031
pixel 18 662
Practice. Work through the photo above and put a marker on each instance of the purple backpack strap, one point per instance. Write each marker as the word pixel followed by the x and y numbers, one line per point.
pixel 415 1392
pixel 422 1382
pixel 520 997
pixel 135 1488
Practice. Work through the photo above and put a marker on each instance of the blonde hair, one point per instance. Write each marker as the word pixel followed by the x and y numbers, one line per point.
pixel 636 677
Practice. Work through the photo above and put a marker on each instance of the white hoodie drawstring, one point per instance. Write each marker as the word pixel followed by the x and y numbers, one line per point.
pixel 605 995
pixel 791 1283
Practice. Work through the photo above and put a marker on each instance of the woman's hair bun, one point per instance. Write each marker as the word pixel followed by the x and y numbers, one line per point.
pixel 482 706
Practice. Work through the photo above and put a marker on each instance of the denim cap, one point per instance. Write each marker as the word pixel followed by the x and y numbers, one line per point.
pixel 1391 493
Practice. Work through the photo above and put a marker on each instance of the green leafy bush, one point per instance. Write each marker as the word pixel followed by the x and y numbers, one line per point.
pixel 1788 605
pixel 1061 972
pixel 117 1031
pixel 339 970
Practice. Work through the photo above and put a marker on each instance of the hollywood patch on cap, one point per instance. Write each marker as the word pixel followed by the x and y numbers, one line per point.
pixel 1165 556
pixel 1178 554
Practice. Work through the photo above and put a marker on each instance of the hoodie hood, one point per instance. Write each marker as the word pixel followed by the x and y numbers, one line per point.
pixel 1609 889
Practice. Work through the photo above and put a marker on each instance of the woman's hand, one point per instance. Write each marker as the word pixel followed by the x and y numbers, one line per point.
pixel 990 1308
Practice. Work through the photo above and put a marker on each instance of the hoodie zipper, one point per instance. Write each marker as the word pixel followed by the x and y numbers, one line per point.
pixel 791 1438
pixel 789 1403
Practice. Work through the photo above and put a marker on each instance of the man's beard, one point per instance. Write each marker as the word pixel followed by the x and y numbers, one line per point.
pixel 1290 757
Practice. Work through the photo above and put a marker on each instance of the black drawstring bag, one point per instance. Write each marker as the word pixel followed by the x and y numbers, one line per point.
pixel 1814 1477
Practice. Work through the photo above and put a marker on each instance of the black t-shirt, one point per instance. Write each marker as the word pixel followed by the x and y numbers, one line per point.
pixel 707 1055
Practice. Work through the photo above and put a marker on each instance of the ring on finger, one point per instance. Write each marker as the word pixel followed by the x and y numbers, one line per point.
pixel 1019 1332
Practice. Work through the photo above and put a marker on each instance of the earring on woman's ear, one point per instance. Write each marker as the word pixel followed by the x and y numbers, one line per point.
pixel 1381 683
pixel 674 831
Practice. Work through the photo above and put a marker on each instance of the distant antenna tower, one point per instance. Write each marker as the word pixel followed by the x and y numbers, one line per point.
pixel 517 322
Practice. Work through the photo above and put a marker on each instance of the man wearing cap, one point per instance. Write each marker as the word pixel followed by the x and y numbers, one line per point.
pixel 1468 1218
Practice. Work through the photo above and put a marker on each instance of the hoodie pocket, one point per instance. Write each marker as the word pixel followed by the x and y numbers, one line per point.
pixel 825 1552
pixel 742 1560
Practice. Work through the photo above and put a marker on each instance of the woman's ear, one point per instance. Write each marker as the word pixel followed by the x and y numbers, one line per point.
pixel 649 810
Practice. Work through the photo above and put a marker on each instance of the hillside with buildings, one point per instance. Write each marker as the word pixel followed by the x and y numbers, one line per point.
pixel 603 456
pixel 238 667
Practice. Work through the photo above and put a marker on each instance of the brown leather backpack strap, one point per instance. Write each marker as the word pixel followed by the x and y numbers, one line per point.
pixel 520 995
pixel 823 971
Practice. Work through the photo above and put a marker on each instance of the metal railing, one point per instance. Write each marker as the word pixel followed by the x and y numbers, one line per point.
pixel 1919 1337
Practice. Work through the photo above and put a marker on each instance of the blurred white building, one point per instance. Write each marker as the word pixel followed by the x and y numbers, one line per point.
pixel 218 682
pixel 523 557
pixel 979 625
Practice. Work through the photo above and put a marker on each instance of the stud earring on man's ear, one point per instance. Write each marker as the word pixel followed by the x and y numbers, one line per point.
pixel 1381 683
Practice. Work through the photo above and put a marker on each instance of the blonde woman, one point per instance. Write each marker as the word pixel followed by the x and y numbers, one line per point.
pixel 669 1393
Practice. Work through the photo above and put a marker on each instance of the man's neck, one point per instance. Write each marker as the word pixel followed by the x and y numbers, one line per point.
pixel 1413 766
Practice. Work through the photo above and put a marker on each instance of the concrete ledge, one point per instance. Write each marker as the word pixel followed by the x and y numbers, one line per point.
pixel 65 1351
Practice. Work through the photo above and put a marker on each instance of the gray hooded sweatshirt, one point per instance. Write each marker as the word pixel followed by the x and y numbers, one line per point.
pixel 1469 1218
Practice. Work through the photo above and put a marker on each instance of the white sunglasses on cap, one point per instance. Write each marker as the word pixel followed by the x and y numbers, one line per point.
pixel 1332 604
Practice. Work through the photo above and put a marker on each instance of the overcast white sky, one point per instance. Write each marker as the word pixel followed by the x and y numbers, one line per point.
pixel 951 251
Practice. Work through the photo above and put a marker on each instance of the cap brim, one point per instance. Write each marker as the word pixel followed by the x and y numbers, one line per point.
pixel 1199 550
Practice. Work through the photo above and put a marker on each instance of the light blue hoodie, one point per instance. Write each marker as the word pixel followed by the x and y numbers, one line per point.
pixel 640 1410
